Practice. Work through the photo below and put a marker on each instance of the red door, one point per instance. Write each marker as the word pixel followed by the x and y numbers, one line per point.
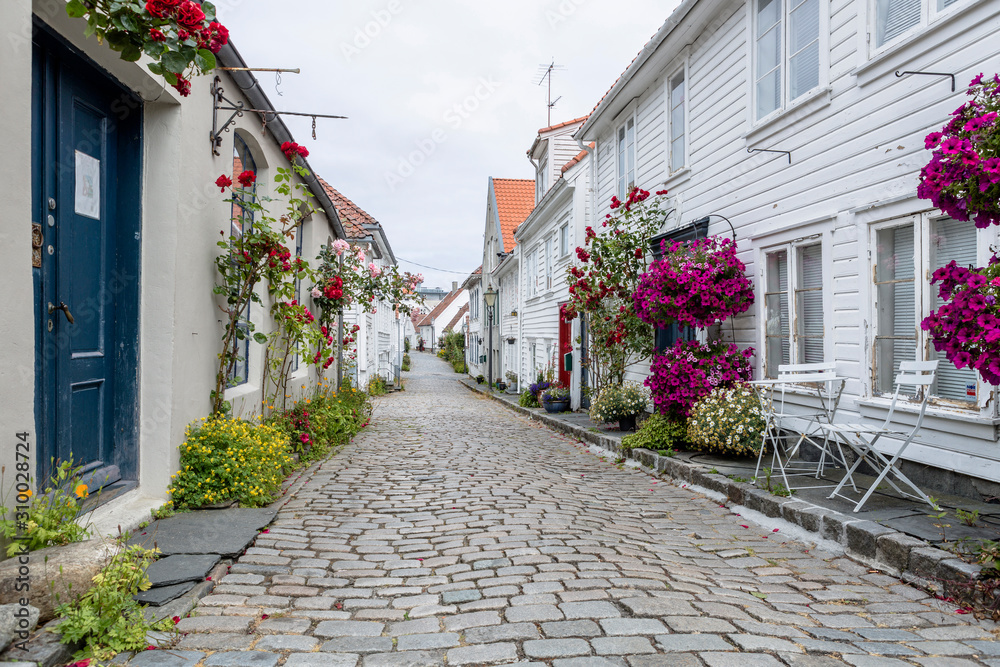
pixel 565 347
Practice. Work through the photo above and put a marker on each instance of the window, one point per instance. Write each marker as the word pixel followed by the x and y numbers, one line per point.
pixel 242 222
pixel 906 252
pixel 895 18
pixel 626 158
pixel 564 240
pixel 677 113
pixel 786 52
pixel 542 178
pixel 531 271
pixel 550 250
pixel 793 306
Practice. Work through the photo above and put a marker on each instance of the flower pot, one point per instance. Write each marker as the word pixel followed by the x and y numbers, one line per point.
pixel 512 389
pixel 556 406
pixel 502 386
pixel 626 423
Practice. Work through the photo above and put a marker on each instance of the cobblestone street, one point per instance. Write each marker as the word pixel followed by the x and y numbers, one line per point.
pixel 454 532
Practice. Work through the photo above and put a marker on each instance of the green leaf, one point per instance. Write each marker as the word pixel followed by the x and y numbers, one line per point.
pixel 174 62
pixel 128 22
pixel 155 68
pixel 205 60
pixel 170 77
pixel 762 596
pixel 131 53
pixel 209 10
pixel 118 39
pixel 76 9
pixel 260 338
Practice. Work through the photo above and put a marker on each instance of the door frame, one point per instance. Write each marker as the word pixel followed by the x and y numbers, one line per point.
pixel 51 55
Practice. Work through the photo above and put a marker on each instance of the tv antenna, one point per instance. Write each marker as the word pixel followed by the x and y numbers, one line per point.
pixel 545 76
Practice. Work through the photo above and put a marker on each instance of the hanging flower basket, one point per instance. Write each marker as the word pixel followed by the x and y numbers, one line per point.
pixel 694 285
pixel 967 327
pixel 963 176
pixel 690 370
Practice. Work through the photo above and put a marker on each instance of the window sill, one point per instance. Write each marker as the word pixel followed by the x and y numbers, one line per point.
pixel 969 415
pixel 808 104
pixel 915 44
pixel 677 179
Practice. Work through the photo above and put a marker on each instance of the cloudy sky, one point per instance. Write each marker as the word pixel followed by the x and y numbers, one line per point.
pixel 440 96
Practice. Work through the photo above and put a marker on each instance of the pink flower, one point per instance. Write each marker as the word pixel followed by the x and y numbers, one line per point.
pixel 316 293
pixel 374 270
pixel 340 246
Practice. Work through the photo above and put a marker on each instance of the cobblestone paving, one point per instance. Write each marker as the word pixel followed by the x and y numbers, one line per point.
pixel 454 532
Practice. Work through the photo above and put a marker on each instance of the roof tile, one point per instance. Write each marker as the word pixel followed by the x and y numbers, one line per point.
pixel 352 216
pixel 515 199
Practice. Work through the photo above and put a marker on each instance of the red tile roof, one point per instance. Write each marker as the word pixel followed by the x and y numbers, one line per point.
pixel 458 318
pixel 576 159
pixel 563 124
pixel 515 199
pixel 351 215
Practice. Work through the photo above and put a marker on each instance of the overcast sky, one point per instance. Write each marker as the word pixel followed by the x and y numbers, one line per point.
pixel 440 96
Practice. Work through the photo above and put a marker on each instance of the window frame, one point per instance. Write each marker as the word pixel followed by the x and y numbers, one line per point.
pixel 822 79
pixel 550 245
pixel 240 373
pixel 924 294
pixel 682 70
pixel 564 239
pixel 622 185
pixel 792 250
pixel 929 14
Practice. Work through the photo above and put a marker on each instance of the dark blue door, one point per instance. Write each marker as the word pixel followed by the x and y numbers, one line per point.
pixel 86 165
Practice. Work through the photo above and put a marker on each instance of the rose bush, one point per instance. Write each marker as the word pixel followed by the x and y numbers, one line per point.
pixel 967 327
pixel 694 285
pixel 181 36
pixel 604 281
pixel 689 370
pixel 963 176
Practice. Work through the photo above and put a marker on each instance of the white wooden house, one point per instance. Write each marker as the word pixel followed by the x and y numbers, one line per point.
pixel 547 239
pixel 441 317
pixel 508 202
pixel 829 225
pixel 473 285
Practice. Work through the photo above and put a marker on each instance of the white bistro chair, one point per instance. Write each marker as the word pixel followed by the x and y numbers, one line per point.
pixel 819 380
pixel 861 438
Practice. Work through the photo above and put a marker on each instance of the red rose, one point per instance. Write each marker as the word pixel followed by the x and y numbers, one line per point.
pixel 303 151
pixel 183 87
pixel 247 178
pixel 161 8
pixel 223 182
pixel 156 35
pixel 189 15
pixel 183 34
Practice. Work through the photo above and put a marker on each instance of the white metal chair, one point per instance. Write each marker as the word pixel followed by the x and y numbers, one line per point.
pixel 818 379
pixel 861 438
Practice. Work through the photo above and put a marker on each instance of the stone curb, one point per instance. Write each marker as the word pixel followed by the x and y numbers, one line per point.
pixel 898 554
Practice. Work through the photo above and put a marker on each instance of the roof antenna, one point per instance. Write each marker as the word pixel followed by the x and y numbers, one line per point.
pixel 545 76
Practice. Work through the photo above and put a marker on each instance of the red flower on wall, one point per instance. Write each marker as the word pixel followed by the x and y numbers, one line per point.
pixel 247 178
pixel 223 182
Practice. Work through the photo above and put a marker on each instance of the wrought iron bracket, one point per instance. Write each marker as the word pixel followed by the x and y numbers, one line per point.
pixel 771 150
pixel 218 97
pixel 901 74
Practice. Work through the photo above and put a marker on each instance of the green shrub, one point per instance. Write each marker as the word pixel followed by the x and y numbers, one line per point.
pixel 377 386
pixel 52 515
pixel 527 400
pixel 658 433
pixel 225 458
pixel 616 401
pixel 406 363
pixel 322 421
pixel 460 366
pixel 406 345
pixel 107 617
pixel 727 421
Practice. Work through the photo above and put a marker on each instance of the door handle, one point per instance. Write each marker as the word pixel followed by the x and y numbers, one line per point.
pixel 64 308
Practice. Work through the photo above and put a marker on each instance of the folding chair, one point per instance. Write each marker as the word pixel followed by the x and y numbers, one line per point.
pixel 820 378
pixel 861 438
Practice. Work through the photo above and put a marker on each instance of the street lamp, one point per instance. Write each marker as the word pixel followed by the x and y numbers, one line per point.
pixel 490 297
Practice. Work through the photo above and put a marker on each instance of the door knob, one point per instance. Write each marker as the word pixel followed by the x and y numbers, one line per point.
pixel 64 308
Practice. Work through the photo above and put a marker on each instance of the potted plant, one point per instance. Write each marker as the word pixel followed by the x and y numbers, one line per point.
pixel 511 382
pixel 538 388
pixel 501 385
pixel 621 403
pixel 480 378
pixel 556 399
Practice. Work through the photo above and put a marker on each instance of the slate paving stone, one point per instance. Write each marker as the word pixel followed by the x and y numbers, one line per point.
pixel 157 597
pixel 454 532
pixel 171 658
pixel 178 569
pixel 242 659
pixel 224 532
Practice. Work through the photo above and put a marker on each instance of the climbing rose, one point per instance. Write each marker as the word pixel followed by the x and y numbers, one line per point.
pixel 156 35
pixel 339 246
pixel 223 182
pixel 247 178
pixel 190 15
pixel 183 86
pixel 161 8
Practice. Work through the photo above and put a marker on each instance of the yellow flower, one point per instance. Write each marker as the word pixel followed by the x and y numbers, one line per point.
pixel 81 491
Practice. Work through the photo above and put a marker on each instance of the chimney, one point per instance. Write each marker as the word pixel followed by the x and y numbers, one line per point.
pixel 454 285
